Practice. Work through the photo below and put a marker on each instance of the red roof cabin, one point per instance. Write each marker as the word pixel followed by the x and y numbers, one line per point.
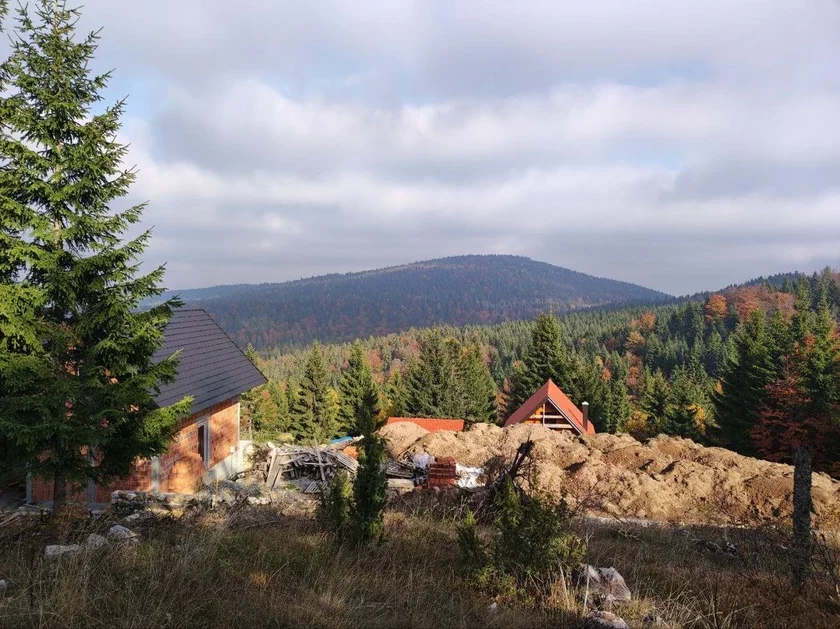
pixel 552 408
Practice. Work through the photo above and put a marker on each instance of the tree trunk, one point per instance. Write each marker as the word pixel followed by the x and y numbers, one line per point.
pixel 801 554
pixel 59 494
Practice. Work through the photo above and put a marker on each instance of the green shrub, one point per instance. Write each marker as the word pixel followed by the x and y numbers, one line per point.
pixel 334 505
pixel 474 557
pixel 366 520
pixel 531 544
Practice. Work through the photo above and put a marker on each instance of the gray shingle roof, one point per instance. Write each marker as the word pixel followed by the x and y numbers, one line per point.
pixel 212 368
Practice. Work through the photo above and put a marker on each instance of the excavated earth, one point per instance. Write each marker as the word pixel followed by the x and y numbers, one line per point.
pixel 667 479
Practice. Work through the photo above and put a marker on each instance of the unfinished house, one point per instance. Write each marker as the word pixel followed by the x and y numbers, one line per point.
pixel 215 372
pixel 552 408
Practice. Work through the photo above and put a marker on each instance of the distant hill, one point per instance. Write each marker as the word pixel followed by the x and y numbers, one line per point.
pixel 457 291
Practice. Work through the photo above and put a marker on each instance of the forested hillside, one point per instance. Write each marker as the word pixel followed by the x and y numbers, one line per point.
pixel 457 291
pixel 726 368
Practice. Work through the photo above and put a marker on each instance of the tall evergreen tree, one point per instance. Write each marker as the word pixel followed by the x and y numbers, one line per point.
pixel 432 381
pixel 478 387
pixel 544 359
pixel 395 394
pixel 686 414
pixel 369 487
pixel 819 352
pixel 77 381
pixel 656 398
pixel 618 408
pixel 315 412
pixel 356 386
pixel 743 388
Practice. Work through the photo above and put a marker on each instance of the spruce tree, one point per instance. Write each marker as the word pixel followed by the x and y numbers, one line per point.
pixel 655 399
pixel 618 407
pixel 395 394
pixel 743 388
pixel 544 359
pixel 77 381
pixel 819 353
pixel 369 488
pixel 431 382
pixel 355 388
pixel 685 414
pixel 478 387
pixel 315 412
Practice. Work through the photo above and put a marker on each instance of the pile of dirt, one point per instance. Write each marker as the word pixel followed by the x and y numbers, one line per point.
pixel 666 479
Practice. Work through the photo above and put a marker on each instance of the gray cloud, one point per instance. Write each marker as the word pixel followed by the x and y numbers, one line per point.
pixel 679 145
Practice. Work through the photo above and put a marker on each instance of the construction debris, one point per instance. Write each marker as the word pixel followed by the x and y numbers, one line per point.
pixel 309 468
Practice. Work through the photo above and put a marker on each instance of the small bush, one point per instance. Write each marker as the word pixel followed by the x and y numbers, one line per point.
pixel 475 560
pixel 334 505
pixel 532 544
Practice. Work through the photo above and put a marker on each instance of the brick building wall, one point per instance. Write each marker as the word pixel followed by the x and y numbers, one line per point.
pixel 222 424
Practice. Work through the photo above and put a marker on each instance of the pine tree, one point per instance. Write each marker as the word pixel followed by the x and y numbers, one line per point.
pixel 431 382
pixel 355 387
pixel 478 387
pixel 76 373
pixel 586 384
pixel 656 397
pixel 819 350
pixel 369 488
pixel 395 394
pixel 315 412
pixel 686 413
pixel 618 408
pixel 743 388
pixel 281 400
pixel 544 359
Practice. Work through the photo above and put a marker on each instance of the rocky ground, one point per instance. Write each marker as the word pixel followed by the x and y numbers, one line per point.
pixel 667 479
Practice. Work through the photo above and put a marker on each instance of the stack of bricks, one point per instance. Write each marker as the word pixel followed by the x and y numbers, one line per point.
pixel 442 473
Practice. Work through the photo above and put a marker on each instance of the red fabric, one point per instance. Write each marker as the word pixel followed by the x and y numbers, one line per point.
pixel 431 424
pixel 550 392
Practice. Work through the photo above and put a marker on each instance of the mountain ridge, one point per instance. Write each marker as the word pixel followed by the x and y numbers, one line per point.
pixel 457 290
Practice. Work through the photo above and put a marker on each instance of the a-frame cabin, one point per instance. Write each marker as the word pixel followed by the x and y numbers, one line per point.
pixel 552 408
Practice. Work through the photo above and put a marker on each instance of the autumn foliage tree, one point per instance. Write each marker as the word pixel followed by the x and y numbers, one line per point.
pixel 802 404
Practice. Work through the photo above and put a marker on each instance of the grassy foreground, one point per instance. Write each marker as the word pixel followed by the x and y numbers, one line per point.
pixel 262 569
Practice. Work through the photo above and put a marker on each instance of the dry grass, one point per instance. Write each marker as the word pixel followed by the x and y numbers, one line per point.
pixel 264 570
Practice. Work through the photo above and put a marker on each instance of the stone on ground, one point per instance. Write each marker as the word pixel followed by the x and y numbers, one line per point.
pixel 57 550
pixel 604 620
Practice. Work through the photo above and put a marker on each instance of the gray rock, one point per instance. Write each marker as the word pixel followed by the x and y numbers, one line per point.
pixel 58 550
pixel 95 541
pixel 652 620
pixel 604 620
pixel 120 532
pixel 3 585
pixel 607 585
pixel 132 518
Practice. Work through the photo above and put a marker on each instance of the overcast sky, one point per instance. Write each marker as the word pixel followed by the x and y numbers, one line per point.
pixel 681 145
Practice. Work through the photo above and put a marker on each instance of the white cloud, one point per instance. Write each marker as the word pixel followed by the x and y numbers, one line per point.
pixel 679 145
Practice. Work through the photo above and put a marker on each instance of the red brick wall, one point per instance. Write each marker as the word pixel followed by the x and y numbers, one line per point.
pixel 222 422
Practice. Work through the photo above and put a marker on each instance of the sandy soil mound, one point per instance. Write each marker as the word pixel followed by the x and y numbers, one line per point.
pixel 666 479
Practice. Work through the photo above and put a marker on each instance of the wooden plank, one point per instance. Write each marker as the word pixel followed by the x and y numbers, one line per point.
pixel 320 463
pixel 273 472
